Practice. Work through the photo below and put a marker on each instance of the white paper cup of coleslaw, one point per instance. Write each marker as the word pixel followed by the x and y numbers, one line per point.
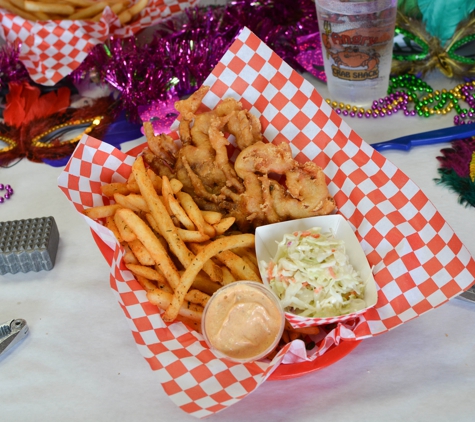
pixel 268 237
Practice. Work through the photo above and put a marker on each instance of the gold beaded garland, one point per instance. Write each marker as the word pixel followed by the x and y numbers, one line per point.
pixel 36 141
pixel 438 102
pixel 10 144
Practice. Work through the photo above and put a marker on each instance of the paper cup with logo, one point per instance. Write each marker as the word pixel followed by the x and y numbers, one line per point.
pixel 267 238
pixel 357 43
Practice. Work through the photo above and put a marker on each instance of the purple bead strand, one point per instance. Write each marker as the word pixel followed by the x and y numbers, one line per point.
pixel 8 193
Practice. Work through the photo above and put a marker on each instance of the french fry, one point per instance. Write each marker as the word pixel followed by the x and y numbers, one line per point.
pixel 140 252
pixel 132 185
pixel 192 236
pixel 194 325
pixel 238 266
pixel 180 214
pixel 294 335
pixel 59 9
pixel 119 7
pixel 249 257
pixel 42 16
pixel 79 3
pixel 302 330
pixel 212 217
pixel 154 226
pixel 192 210
pixel 125 232
pixel 174 209
pixel 88 12
pixel 129 257
pixel 176 185
pixel 163 299
pixel 147 272
pixel 138 7
pixel 145 234
pixel 72 9
pixel 110 189
pixel 210 250
pixel 249 254
pixel 123 201
pixel 5 4
pixel 224 225
pixel 125 17
pixel 214 271
pixel 145 283
pixel 198 297
pixel 110 224
pixel 101 211
pixel 160 214
pixel 203 283
pixel 133 201
pixel 227 276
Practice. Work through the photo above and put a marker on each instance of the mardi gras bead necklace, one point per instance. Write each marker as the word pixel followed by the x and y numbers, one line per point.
pixel 7 195
pixel 416 98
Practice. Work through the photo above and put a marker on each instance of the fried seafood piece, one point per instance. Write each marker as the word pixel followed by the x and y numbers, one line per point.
pixel 254 161
pixel 196 166
pixel 162 145
pixel 219 142
pixel 245 127
pixel 202 164
pixel 303 193
pixel 187 109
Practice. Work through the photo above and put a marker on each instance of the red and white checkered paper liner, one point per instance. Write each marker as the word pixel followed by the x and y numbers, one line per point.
pixel 52 50
pixel 419 263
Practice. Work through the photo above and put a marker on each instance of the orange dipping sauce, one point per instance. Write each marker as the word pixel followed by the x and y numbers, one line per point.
pixel 243 321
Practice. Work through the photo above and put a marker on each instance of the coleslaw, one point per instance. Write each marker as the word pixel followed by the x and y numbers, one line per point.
pixel 312 276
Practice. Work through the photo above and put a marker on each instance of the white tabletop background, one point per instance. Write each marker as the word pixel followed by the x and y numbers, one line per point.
pixel 80 362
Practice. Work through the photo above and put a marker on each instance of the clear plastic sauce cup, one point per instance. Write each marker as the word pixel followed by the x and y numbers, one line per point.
pixel 243 321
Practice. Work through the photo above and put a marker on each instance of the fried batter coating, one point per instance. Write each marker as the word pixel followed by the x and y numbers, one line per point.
pixel 264 185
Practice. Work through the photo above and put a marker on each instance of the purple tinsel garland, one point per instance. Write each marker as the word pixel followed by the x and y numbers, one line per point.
pixel 11 69
pixel 184 49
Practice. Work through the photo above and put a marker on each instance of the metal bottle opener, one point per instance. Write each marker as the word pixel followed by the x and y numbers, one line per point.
pixel 11 333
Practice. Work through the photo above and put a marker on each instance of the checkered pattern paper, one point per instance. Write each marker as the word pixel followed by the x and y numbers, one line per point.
pixel 52 50
pixel 419 263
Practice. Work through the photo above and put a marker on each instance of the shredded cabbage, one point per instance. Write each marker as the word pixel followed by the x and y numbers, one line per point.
pixel 312 276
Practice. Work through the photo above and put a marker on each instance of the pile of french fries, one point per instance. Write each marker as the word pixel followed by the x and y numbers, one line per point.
pixel 37 10
pixel 178 253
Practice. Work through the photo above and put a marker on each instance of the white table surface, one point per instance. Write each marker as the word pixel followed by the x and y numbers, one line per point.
pixel 80 362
